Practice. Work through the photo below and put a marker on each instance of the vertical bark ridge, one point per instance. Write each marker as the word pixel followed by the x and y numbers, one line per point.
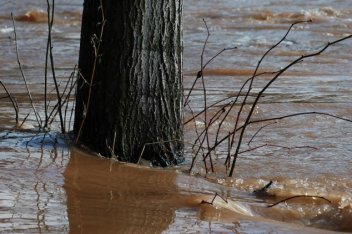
pixel 137 91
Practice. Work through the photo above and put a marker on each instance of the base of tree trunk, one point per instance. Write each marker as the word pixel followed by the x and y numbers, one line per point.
pixel 129 101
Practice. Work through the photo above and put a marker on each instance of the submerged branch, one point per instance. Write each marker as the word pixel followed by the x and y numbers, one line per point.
pixel 212 201
pixel 298 196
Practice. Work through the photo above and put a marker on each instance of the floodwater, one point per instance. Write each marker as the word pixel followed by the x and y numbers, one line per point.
pixel 50 187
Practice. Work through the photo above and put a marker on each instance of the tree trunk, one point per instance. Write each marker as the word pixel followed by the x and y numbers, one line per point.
pixel 130 95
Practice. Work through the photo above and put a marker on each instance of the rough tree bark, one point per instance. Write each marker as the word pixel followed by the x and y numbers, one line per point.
pixel 134 78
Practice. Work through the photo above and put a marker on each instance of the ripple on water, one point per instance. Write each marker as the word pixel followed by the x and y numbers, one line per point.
pixel 97 195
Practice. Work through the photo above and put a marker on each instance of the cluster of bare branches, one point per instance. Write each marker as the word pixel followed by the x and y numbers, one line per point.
pixel 63 107
pixel 206 143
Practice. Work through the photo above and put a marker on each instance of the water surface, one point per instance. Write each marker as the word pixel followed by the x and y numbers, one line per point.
pixel 49 187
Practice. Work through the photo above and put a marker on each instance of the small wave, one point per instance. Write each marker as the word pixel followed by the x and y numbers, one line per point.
pixel 324 202
pixel 318 14
pixel 321 13
pixel 6 30
pixel 337 190
pixel 36 16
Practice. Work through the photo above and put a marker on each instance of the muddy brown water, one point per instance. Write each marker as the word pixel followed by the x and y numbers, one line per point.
pixel 47 186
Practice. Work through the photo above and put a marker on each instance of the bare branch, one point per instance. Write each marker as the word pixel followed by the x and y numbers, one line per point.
pixel 37 116
pixel 13 101
pixel 298 196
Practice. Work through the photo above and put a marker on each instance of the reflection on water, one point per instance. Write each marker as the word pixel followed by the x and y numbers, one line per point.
pixel 111 207
pixel 32 197
pixel 131 199
pixel 47 187
pixel 52 190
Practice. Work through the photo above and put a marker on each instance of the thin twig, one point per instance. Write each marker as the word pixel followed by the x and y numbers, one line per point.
pixel 197 133
pixel 37 116
pixel 210 106
pixel 205 96
pixel 55 109
pixel 73 108
pixel 213 120
pixel 46 68
pixel 96 46
pixel 257 132
pixel 298 196
pixel 58 96
pixel 68 96
pixel 250 80
pixel 297 114
pixel 278 118
pixel 112 148
pixel 269 84
pixel 13 101
pixel 234 103
pixel 155 143
pixel 212 201
pixel 24 120
pixel 259 95
pixel 278 146
pixel 200 73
